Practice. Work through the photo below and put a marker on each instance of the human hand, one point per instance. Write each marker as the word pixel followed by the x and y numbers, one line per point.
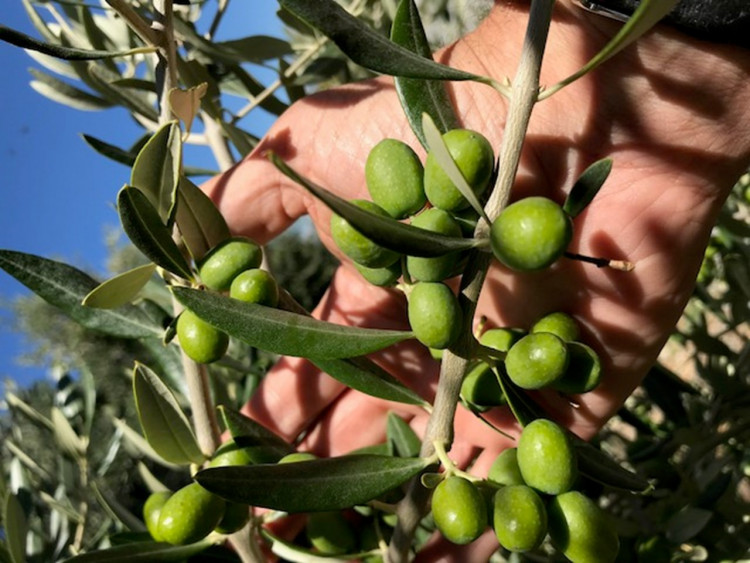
pixel 671 114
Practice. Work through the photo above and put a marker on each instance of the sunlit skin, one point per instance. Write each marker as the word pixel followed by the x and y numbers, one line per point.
pixel 672 114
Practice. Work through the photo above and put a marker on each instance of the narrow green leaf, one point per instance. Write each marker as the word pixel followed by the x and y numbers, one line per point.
pixel 285 333
pixel 88 390
pixel 63 93
pixel 103 80
pixel 598 466
pixel 587 186
pixel 164 424
pixel 156 171
pixel 66 437
pixel 522 406
pixel 15 527
pixel 62 52
pixel 110 151
pixel 440 151
pixel 401 437
pixel 140 445
pixel 367 377
pixel 387 232
pixel 254 49
pixel 240 82
pixel 648 14
pixel 201 224
pixel 367 47
pixel 248 433
pixel 121 289
pixel 308 486
pixel 420 96
pixel 289 551
pixel 148 234
pixel 116 510
pixel 142 552
pixel 65 287
pixel 687 523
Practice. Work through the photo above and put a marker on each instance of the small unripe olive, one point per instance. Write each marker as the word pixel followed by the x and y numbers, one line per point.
pixel 560 324
pixel 584 371
pixel 190 515
pixel 434 314
pixel 459 510
pixel 530 234
pixel 436 268
pixel 501 339
pixel 225 261
pixel 480 387
pixel 520 519
pixel 202 342
pixel 504 470
pixel 152 510
pixel 537 360
pixel 382 277
pixel 356 245
pixel 581 530
pixel 330 533
pixel 255 286
pixel 546 457
pixel 394 178
pixel 474 158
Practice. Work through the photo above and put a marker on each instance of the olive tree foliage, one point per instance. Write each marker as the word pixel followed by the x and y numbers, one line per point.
pixel 81 457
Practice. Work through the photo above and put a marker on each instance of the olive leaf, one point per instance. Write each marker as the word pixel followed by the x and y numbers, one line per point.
pixel 420 96
pixel 143 552
pixel 116 510
pixel 156 171
pixel 65 287
pixel 402 440
pixel 63 93
pixel 315 485
pixel 283 332
pixel 140 444
pixel 440 151
pixel 201 225
pixel 523 407
pixel 248 433
pixel 144 227
pixel 66 437
pixel 102 79
pixel 289 551
pixel 120 289
pixel 587 186
pixel 368 48
pixel 598 466
pixel 15 527
pixel 385 231
pixel 164 424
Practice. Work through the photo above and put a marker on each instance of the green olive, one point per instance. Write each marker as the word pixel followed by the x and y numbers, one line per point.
pixel 255 286
pixel 480 387
pixel 331 533
pixel 560 324
pixel 546 457
pixel 235 517
pixel 356 245
pixel 230 453
pixel 474 157
pixel 520 519
pixel 434 314
pixel 224 262
pixel 537 360
pixel 504 470
pixel 382 277
pixel 459 510
pixel 530 234
pixel 394 178
pixel 436 268
pixel 584 371
pixel 190 515
pixel 581 530
pixel 152 510
pixel 295 457
pixel 501 339
pixel 202 342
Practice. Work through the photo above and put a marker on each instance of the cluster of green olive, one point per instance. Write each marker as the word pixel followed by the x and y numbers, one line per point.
pixel 232 266
pixel 528 495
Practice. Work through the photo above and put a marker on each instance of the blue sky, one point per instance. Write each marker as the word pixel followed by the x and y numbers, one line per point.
pixel 57 197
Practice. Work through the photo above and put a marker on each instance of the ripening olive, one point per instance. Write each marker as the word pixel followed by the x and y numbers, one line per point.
pixel 381 277
pixel 436 268
pixel 152 510
pixel 225 261
pixel 356 245
pixel 255 286
pixel 537 360
pixel 331 533
pixel 190 515
pixel 546 457
pixel 459 510
pixel 560 324
pixel 530 234
pixel 501 339
pixel 202 342
pixel 434 314
pixel 584 371
pixel 480 387
pixel 394 178
pixel 581 530
pixel 504 470
pixel 474 158
pixel 520 519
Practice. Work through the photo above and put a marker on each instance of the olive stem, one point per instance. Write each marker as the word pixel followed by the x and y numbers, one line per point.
pixel 455 361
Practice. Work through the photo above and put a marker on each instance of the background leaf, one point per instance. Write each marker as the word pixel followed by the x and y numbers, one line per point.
pixel 15 527
pixel 401 438
pixel 164 424
pixel 142 552
pixel 283 332
pixel 65 287
pixel 587 186
pixel 598 466
pixel 308 486
pixel 69 441
pixel 201 225
pixel 248 433
pixel 63 93
pixel 121 289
